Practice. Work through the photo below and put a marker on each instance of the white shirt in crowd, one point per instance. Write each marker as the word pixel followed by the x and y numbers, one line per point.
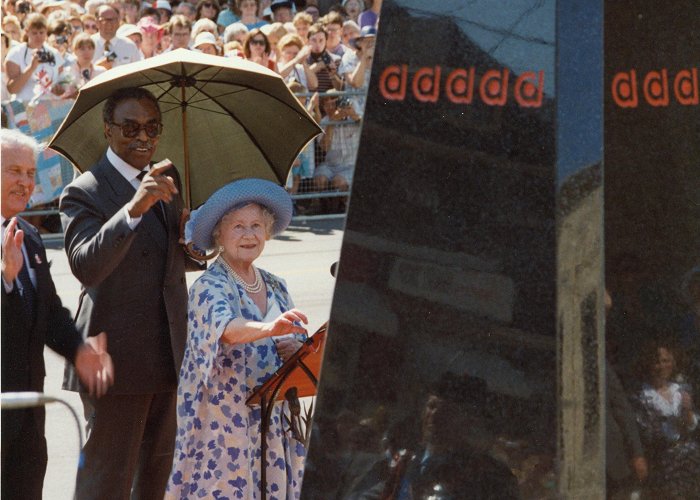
pixel 125 49
pixel 44 77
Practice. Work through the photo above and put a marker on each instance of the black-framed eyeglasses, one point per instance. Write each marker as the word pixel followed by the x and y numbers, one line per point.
pixel 132 129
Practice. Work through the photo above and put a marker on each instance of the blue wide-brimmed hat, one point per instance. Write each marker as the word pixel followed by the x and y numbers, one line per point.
pixel 238 194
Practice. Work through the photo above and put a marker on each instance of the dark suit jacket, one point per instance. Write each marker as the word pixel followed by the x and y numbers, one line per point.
pixel 23 337
pixel 133 281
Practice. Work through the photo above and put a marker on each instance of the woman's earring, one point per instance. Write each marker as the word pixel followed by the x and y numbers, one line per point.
pixel 221 249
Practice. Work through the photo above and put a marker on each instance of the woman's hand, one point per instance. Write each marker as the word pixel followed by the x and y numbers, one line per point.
pixel 285 324
pixel 286 347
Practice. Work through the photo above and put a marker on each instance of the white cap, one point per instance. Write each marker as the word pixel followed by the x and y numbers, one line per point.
pixel 203 38
pixel 164 4
pixel 128 30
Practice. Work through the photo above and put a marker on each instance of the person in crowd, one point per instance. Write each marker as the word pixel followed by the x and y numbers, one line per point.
pixel 249 14
pixel 60 37
pixel 112 50
pixel 242 327
pixel 668 424
pixel 356 65
pixel 207 9
pixel 188 10
pixel 305 164
pixel 12 28
pixel 257 48
pixel 302 22
pixel 33 316
pixel 351 30
pixel 151 33
pixel 339 143
pixel 333 25
pixel 91 6
pixel 76 25
pixel 274 33
pixel 201 26
pixel 233 48
pixel 353 8
pixel 22 9
pixel 164 10
pixel 33 67
pixel 322 62
pixel 82 69
pixel 227 16
pixel 121 221
pixel 133 33
pixel 370 16
pixel 4 93
pixel 90 25
pixel 130 11
pixel 180 29
pixel 235 32
pixel 293 62
pixel 206 43
pixel 282 11
pixel 313 11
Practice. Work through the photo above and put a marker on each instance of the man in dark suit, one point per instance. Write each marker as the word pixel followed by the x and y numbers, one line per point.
pixel 122 240
pixel 32 315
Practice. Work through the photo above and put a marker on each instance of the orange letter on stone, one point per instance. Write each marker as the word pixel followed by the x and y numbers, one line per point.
pixel 685 86
pixel 493 87
pixel 392 82
pixel 527 94
pixel 426 84
pixel 459 86
pixel 624 89
pixel 656 88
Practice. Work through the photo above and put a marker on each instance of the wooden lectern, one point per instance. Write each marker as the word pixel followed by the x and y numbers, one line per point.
pixel 298 374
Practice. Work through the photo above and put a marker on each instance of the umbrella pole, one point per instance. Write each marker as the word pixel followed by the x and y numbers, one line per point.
pixel 186 149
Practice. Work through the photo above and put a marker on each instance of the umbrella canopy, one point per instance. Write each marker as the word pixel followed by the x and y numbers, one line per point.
pixel 223 119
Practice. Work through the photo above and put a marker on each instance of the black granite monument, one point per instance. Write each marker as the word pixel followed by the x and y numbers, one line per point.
pixel 466 352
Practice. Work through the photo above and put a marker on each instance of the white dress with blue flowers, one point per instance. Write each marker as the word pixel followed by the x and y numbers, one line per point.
pixel 217 448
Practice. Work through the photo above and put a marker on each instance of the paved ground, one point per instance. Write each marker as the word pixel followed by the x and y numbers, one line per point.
pixel 302 255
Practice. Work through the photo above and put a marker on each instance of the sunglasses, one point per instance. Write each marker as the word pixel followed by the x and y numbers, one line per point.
pixel 91 27
pixel 132 129
pixel 208 5
pixel 257 41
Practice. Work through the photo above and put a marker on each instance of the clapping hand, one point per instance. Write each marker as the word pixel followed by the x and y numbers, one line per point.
pixel 12 259
pixel 94 365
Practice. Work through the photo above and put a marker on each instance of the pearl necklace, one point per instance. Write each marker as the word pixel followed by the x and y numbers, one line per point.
pixel 257 285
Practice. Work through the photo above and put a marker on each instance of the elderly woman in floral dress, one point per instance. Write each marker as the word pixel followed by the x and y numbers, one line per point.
pixel 242 326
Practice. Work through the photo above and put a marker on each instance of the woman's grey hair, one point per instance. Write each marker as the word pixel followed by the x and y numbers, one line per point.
pixel 234 29
pixel 10 137
pixel 268 216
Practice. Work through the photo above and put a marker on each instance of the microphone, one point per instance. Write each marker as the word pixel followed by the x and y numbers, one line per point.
pixel 18 400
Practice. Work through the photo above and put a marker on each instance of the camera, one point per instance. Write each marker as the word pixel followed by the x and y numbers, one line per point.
pixel 24 8
pixel 343 102
pixel 326 58
pixel 45 56
pixel 61 39
pixel 110 55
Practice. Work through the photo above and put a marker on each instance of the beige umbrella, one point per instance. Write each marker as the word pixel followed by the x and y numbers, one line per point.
pixel 223 119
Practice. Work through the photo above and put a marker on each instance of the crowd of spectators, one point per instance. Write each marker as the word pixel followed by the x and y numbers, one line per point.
pixel 51 48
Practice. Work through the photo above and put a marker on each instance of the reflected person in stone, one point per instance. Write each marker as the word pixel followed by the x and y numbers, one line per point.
pixel 668 426
pixel 454 461
pixel 242 325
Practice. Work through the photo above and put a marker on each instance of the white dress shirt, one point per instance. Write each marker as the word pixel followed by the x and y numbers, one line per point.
pixel 130 174
pixel 126 50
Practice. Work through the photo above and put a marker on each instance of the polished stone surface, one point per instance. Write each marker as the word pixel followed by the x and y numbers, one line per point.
pixel 467 320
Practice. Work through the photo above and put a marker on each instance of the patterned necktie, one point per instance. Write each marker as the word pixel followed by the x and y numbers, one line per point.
pixel 28 291
pixel 160 211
